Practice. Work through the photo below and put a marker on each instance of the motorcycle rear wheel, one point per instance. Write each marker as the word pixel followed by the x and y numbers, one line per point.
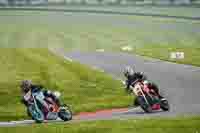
pixel 65 114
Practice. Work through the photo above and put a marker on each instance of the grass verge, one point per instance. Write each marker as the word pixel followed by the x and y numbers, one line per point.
pixel 150 38
pixel 169 125
pixel 82 88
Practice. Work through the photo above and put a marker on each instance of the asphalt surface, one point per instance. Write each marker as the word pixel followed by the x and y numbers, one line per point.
pixel 162 12
pixel 178 83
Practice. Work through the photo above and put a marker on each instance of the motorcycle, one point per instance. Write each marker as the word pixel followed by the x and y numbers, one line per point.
pixel 147 99
pixel 51 111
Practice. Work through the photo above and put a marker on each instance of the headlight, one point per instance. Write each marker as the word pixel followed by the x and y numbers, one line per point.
pixel 57 94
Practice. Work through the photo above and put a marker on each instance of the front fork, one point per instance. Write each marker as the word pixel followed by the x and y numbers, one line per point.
pixel 144 97
pixel 142 94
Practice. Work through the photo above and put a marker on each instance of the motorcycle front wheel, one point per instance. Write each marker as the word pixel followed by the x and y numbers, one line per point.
pixel 145 106
pixel 36 114
pixel 65 114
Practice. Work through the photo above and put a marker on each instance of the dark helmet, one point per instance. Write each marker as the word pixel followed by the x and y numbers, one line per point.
pixel 128 71
pixel 26 85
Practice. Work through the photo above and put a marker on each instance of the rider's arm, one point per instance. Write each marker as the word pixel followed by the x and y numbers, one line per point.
pixel 47 93
pixel 130 81
pixel 128 84
pixel 141 75
pixel 36 88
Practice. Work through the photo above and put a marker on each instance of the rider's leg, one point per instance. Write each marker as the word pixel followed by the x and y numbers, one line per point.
pixel 57 100
pixel 59 103
pixel 156 89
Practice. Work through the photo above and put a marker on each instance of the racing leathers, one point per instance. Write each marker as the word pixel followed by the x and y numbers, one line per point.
pixel 46 93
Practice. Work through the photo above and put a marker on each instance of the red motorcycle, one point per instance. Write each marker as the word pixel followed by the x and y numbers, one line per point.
pixel 147 98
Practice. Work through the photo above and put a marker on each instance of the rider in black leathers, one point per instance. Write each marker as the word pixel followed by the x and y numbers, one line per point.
pixel 132 76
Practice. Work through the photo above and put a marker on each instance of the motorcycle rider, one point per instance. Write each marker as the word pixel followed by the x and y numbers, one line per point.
pixel 132 76
pixel 27 87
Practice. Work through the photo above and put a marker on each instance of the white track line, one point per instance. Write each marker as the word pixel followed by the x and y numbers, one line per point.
pixel 67 58
pixel 122 81
pixel 23 122
pixel 94 67
pixel 98 69
pixel 58 52
pixel 100 50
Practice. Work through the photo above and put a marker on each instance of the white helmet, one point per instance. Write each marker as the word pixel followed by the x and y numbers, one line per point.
pixel 128 71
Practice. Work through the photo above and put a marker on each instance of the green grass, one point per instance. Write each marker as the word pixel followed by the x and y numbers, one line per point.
pixel 154 37
pixel 83 89
pixel 163 52
pixel 167 125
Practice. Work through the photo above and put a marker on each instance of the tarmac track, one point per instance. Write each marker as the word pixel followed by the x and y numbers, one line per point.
pixel 97 11
pixel 179 84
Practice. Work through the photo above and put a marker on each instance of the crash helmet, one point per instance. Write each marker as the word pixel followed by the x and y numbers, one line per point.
pixel 128 71
pixel 25 85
